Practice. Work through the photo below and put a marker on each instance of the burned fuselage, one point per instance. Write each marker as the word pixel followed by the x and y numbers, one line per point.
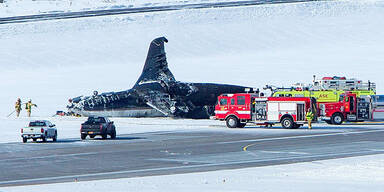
pixel 156 93
pixel 113 104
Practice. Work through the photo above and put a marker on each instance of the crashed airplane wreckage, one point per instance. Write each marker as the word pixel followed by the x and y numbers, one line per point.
pixel 155 94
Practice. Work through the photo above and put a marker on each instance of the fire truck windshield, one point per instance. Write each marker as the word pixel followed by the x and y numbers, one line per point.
pixel 223 101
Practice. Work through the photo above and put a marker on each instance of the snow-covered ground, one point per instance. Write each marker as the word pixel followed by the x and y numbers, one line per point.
pixel 52 61
pixel 357 174
pixel 31 7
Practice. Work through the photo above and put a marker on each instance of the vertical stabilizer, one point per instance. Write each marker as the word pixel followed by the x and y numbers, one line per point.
pixel 156 66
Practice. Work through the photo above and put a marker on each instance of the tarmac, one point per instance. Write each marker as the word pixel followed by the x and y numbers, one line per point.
pixel 173 152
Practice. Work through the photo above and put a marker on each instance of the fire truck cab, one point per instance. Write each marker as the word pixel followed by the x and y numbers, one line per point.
pixel 352 108
pixel 242 108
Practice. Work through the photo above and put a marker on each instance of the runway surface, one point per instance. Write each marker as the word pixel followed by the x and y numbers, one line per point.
pixel 70 15
pixel 163 153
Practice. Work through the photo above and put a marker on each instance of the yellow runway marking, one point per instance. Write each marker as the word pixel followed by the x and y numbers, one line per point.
pixel 246 147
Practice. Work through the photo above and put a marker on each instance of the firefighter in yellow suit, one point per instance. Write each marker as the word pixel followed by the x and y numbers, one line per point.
pixel 309 117
pixel 28 107
pixel 18 107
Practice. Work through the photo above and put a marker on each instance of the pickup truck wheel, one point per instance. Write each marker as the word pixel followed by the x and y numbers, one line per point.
pixel 83 136
pixel 337 119
pixel 54 139
pixel 232 122
pixel 287 123
pixel 25 140
pixel 113 134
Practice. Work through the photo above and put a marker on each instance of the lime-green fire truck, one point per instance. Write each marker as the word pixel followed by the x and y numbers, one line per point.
pixel 327 89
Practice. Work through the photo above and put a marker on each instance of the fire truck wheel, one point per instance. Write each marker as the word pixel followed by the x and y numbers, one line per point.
pixel 337 119
pixel 232 122
pixel 287 123
pixel 328 122
pixel 241 125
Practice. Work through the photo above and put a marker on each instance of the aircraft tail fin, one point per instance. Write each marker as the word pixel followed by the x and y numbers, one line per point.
pixel 156 66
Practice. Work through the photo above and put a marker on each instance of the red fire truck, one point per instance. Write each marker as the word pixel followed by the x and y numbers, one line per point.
pixel 242 108
pixel 352 108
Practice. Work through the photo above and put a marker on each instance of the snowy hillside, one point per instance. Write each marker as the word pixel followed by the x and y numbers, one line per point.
pixel 52 61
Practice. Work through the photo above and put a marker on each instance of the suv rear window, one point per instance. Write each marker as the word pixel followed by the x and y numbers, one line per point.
pixel 37 124
pixel 96 120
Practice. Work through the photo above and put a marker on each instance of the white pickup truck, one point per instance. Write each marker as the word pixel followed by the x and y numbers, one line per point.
pixel 41 129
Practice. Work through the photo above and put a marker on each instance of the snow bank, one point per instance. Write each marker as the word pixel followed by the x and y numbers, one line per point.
pixel 52 61
pixel 355 174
